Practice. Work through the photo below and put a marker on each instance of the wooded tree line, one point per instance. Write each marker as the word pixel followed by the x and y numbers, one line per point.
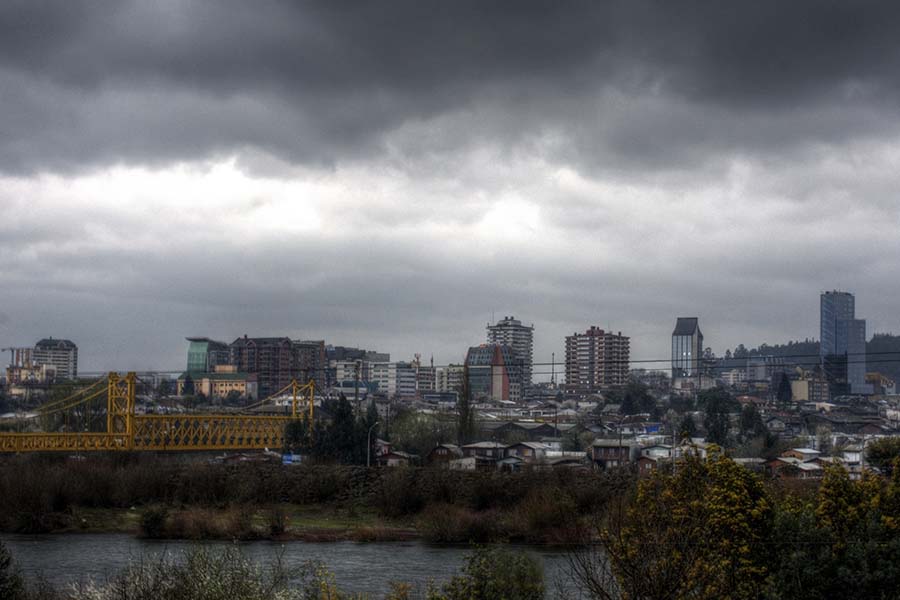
pixel 714 530
pixel 344 439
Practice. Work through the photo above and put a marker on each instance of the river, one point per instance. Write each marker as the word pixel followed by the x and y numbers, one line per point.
pixel 358 567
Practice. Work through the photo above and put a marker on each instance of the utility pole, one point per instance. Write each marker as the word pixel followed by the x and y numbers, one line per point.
pixel 356 367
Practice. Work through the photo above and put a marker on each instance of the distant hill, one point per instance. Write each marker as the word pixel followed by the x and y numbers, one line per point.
pixel 882 354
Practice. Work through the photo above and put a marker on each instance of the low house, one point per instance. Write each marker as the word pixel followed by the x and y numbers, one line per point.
pixel 852 454
pixel 692 447
pixel 443 453
pixel 527 451
pixel 648 464
pixel 492 450
pixel 802 454
pixel 612 453
pixel 657 451
pixel 486 454
pixel 395 458
pixel 788 467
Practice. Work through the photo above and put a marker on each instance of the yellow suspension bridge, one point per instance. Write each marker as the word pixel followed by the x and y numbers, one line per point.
pixel 83 411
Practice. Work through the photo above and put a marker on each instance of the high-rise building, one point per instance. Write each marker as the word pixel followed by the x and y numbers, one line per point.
pixel 596 360
pixel 385 375
pixel 519 338
pixel 842 343
pixel 60 354
pixel 687 348
pixel 449 379
pixel 270 359
pixel 494 373
pixel 407 382
pixel 310 361
pixel 204 355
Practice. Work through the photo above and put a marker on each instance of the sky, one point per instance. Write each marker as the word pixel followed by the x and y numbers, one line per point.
pixel 394 175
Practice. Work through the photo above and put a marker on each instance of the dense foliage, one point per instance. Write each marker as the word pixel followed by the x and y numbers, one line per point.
pixel 712 530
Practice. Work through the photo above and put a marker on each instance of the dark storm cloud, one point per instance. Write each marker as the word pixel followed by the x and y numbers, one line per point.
pixel 404 169
pixel 84 84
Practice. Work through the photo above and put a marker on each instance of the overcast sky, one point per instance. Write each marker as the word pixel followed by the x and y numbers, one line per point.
pixel 392 174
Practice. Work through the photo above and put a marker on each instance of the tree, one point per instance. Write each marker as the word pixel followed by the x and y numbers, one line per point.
pixel 752 424
pixel 783 393
pixel 419 433
pixel 342 434
pixel 687 428
pixel 495 574
pixel 296 436
pixel 187 388
pixel 696 533
pixel 164 389
pixel 465 413
pixel 883 452
pixel 233 397
pixel 717 404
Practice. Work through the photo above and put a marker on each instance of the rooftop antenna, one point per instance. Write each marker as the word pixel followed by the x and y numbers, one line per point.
pixel 552 369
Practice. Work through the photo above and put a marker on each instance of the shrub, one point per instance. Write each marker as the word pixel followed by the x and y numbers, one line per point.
pixel 211 575
pixel 446 523
pixel 277 521
pixel 495 574
pixel 397 494
pixel 153 522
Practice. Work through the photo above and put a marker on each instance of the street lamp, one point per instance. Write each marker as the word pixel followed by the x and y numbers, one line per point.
pixel 369 444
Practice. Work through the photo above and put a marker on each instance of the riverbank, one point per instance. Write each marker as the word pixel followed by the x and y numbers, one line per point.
pixel 300 523
pixel 155 497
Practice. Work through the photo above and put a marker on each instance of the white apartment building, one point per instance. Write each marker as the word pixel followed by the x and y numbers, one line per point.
pixel 60 354
pixel 385 375
pixel 449 378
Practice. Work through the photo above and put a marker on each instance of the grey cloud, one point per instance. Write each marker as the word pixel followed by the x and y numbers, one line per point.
pixel 652 83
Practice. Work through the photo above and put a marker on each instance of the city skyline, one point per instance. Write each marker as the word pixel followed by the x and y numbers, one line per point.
pixel 390 182
pixel 543 370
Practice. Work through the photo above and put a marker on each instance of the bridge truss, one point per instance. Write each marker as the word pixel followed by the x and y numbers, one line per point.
pixel 127 431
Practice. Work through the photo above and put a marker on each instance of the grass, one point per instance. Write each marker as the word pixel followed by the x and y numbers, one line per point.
pixel 308 522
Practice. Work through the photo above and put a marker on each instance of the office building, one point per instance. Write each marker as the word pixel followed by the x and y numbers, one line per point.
pixel 407 380
pixel 519 338
pixel 494 373
pixel 687 348
pixel 596 360
pixel 204 355
pixel 842 344
pixel 60 354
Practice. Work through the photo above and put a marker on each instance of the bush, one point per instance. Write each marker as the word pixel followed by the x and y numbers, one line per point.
pixel 277 521
pixel 153 522
pixel 545 510
pixel 211 524
pixel 495 574
pixel 211 575
pixel 397 495
pixel 445 523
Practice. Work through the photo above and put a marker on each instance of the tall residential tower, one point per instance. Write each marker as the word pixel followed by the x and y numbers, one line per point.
pixel 596 360
pixel 519 338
